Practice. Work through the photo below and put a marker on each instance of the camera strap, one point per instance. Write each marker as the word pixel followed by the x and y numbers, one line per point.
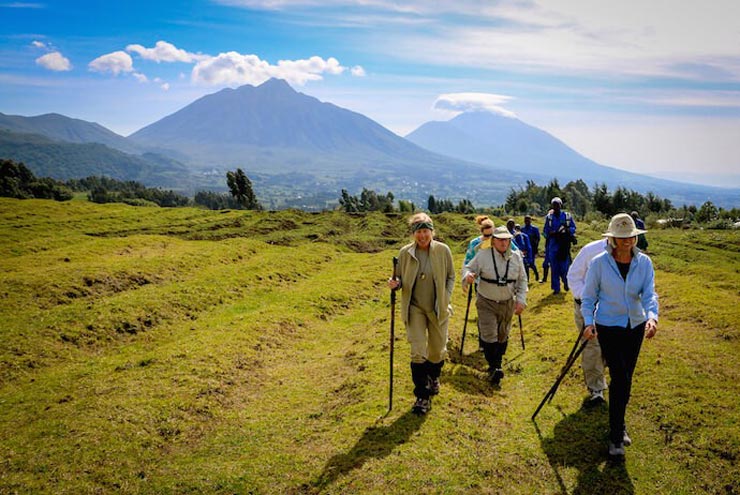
pixel 495 268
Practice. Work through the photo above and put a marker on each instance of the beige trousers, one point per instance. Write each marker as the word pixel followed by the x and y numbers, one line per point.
pixel 591 360
pixel 427 337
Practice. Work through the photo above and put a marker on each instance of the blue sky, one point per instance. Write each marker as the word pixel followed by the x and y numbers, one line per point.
pixel 646 86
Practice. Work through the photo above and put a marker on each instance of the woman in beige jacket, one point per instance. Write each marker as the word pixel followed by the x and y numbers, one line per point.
pixel 427 278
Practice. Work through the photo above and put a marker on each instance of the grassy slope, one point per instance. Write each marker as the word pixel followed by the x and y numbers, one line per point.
pixel 186 351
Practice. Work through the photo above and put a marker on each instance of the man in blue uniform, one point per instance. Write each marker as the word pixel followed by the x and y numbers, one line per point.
pixel 560 230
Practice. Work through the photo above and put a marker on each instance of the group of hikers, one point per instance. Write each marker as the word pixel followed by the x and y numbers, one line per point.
pixel 612 282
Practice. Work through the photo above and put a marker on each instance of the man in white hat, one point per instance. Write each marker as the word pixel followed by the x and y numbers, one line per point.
pixel 502 293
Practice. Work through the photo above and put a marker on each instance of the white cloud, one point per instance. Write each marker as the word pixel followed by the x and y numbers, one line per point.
pixel 38 44
pixel 140 77
pixel 115 63
pixel 694 39
pixel 358 71
pixel 54 61
pixel 162 84
pixel 165 52
pixel 467 102
pixel 235 68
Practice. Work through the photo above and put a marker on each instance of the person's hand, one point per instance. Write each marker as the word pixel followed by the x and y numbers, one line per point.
pixel 393 283
pixel 518 308
pixel 589 332
pixel 650 328
pixel 470 278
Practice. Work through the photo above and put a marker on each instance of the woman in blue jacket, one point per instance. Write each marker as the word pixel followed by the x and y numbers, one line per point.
pixel 620 308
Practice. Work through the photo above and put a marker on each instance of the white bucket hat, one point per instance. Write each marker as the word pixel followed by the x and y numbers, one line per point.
pixel 622 226
pixel 502 233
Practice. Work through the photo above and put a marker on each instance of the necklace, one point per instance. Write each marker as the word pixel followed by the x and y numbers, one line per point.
pixel 425 265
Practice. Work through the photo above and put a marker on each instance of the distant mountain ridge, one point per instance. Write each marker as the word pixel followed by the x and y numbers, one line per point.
pixel 61 128
pixel 506 142
pixel 292 145
pixel 307 144
pixel 67 160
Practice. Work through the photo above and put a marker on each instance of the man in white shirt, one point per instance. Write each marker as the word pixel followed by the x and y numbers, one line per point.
pixel 592 362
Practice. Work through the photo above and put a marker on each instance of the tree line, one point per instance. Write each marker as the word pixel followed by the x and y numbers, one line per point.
pixel 17 181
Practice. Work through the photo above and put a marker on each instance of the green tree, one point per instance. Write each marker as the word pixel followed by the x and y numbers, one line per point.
pixel 707 213
pixel 241 189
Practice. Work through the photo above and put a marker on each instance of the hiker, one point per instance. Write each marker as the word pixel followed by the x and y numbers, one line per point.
pixel 427 278
pixel 534 239
pixel 521 240
pixel 620 307
pixel 502 293
pixel 642 243
pixel 486 226
pixel 592 361
pixel 560 230
pixel 545 259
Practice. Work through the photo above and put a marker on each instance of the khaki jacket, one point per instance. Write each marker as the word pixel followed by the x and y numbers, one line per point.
pixel 444 278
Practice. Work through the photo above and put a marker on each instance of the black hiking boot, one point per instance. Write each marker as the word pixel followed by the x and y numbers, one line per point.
pixel 496 376
pixel 433 386
pixel 422 406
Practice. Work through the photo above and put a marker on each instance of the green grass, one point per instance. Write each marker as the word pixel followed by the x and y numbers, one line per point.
pixel 152 350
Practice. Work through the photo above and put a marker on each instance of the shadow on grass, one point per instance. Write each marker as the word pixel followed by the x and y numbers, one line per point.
pixel 377 442
pixel 579 442
pixel 470 375
pixel 546 302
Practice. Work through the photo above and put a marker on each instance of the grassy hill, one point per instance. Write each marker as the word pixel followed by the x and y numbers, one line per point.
pixel 152 350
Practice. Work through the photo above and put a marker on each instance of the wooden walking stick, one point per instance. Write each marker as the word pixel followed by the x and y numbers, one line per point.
pixel 465 325
pixel 393 335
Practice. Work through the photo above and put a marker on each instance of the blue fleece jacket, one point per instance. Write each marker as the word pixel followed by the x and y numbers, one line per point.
pixel 610 300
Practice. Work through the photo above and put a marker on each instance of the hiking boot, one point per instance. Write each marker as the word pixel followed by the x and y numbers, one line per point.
pixel 496 377
pixel 626 440
pixel 616 449
pixel 433 386
pixel 595 399
pixel 422 406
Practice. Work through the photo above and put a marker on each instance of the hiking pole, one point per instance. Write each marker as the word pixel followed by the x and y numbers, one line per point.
pixel 465 325
pixel 572 351
pixel 575 345
pixel 551 393
pixel 521 331
pixel 393 335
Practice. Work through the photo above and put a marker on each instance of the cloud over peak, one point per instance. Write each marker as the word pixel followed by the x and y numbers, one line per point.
pixel 472 102
pixel 236 68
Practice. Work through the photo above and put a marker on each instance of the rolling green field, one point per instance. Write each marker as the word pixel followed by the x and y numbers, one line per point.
pixel 149 350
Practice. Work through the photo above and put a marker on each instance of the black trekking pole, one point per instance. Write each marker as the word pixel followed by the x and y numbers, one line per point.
pixel 575 346
pixel 465 325
pixel 551 393
pixel 393 335
pixel 521 331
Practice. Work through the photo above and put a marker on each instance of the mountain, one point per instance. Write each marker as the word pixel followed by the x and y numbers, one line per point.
pixel 286 139
pixel 64 160
pixel 61 128
pixel 505 142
